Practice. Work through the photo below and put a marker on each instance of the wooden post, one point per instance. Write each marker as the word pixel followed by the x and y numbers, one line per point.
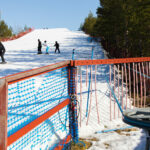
pixel 3 113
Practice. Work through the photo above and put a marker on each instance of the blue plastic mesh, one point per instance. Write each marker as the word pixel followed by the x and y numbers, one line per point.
pixel 73 107
pixel 29 99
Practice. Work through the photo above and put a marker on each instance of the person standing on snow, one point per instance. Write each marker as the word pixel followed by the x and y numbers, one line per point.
pixel 57 47
pixel 39 47
pixel 2 52
pixel 47 47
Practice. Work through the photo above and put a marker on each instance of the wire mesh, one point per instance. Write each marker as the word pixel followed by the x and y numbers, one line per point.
pixel 31 98
pixel 100 85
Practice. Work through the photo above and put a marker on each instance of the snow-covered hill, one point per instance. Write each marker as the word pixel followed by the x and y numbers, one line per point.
pixel 21 55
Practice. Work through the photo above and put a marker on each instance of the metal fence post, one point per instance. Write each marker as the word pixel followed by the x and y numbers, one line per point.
pixel 3 113
pixel 73 51
pixel 73 119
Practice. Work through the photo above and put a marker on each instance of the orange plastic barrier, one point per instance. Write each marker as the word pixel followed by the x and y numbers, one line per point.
pixel 18 36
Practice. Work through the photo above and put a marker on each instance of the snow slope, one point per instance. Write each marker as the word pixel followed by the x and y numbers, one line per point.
pixel 21 55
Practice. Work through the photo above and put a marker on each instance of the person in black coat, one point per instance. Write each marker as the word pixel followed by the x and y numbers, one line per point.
pixel 2 52
pixel 39 47
pixel 57 47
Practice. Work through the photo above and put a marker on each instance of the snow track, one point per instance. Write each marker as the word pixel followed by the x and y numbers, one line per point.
pixel 21 55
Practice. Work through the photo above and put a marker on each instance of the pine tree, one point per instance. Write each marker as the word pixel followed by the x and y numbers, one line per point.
pixel 123 26
pixel 88 26
pixel 5 31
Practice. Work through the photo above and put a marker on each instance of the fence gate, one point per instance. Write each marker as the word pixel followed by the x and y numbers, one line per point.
pixel 35 108
pixel 40 109
pixel 105 88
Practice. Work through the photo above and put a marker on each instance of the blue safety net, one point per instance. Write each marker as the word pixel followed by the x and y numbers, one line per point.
pixel 31 98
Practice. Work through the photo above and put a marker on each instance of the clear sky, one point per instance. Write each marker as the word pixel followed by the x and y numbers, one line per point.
pixel 47 13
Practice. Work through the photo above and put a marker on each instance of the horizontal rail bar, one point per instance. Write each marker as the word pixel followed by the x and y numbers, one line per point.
pixel 11 139
pixel 108 61
pixel 63 142
pixel 38 71
pixel 35 72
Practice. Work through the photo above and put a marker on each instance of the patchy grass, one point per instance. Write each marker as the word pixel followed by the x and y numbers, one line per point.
pixel 91 139
pixel 148 101
pixel 82 145
pixel 138 101
pixel 122 132
pixel 129 130
pixel 106 145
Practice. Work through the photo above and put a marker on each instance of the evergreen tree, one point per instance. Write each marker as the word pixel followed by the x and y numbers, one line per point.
pixel 5 31
pixel 88 26
pixel 123 26
pixel 26 28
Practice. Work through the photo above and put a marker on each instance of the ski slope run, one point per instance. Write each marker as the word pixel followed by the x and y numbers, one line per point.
pixel 21 54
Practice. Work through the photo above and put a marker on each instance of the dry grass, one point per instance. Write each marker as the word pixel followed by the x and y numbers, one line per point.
pixel 148 101
pixel 138 101
pixel 91 139
pixel 106 145
pixel 122 132
pixel 80 145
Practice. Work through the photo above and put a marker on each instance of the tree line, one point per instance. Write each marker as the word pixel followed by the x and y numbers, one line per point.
pixel 123 27
pixel 7 31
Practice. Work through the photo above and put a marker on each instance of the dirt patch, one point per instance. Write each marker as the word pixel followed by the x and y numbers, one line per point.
pixel 91 139
pixel 83 144
pixel 137 101
pixel 106 145
pixel 122 132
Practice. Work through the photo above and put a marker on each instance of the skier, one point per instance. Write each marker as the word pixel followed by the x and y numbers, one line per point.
pixel 47 47
pixel 2 52
pixel 39 47
pixel 57 47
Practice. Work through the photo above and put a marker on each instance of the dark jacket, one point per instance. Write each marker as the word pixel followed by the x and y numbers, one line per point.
pixel 2 49
pixel 39 44
pixel 56 45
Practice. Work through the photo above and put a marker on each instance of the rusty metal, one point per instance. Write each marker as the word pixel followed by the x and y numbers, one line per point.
pixel 3 113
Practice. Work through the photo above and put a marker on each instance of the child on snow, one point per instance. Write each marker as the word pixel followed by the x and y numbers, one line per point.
pixel 47 47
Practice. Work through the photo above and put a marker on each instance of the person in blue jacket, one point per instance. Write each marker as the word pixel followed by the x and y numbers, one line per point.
pixel 47 47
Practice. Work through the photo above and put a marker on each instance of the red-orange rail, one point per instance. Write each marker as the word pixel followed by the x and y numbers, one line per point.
pixel 34 72
pixel 108 61
pixel 63 142
pixel 11 139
